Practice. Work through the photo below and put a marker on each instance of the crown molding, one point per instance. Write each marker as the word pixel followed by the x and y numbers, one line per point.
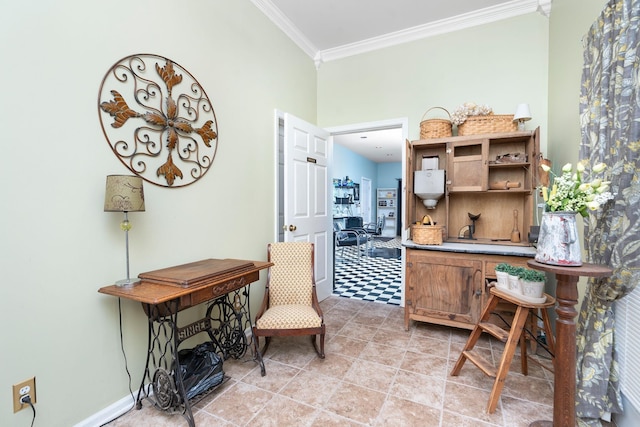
pixel 544 7
pixel 456 23
pixel 286 26
pixel 449 25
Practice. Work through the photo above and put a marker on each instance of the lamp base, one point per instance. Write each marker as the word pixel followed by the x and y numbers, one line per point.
pixel 128 283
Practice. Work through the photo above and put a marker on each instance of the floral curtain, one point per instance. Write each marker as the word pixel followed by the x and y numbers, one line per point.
pixel 610 127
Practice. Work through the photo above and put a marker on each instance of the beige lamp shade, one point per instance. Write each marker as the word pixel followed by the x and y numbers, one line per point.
pixel 124 193
pixel 523 113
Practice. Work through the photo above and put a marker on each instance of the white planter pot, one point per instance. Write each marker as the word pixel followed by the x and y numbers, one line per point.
pixel 532 289
pixel 503 280
pixel 515 286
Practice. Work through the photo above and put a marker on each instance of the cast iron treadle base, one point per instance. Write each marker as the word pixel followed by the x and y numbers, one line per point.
pixel 226 320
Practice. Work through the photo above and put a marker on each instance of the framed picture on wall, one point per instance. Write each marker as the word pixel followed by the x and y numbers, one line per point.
pixel 356 192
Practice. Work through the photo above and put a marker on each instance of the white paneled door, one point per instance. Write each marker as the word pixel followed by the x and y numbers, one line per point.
pixel 307 211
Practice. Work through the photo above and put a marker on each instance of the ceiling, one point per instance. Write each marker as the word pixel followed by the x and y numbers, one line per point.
pixel 331 29
pixel 379 146
pixel 327 30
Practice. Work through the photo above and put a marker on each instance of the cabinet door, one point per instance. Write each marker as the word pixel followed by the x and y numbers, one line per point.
pixel 449 290
pixel 467 165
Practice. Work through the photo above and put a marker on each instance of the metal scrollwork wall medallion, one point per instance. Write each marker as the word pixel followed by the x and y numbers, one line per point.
pixel 158 120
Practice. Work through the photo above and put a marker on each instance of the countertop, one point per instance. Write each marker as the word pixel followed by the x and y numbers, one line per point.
pixel 476 248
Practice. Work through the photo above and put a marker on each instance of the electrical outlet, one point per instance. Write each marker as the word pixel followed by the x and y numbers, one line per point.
pixel 22 389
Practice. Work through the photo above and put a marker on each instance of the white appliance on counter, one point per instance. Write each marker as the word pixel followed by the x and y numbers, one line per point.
pixel 428 183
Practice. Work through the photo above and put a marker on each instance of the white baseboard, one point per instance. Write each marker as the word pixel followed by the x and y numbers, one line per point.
pixel 109 413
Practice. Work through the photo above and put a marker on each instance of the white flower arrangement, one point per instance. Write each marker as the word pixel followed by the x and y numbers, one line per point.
pixel 568 193
pixel 460 114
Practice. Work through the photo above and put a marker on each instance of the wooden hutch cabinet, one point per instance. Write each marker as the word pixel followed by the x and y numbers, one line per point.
pixel 492 179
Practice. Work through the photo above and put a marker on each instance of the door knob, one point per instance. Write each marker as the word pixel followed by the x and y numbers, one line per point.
pixel 290 227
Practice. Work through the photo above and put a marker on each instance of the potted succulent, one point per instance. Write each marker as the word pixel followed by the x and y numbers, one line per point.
pixel 515 285
pixel 532 282
pixel 502 274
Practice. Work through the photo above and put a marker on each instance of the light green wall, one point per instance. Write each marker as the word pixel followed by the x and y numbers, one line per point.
pixel 501 64
pixel 57 245
pixel 570 21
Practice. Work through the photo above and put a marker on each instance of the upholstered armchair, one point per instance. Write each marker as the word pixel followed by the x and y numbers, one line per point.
pixel 290 305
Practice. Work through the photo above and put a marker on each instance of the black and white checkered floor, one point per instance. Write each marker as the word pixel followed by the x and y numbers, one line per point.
pixel 373 278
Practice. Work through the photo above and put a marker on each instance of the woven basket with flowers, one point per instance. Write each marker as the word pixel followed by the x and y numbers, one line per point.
pixel 474 119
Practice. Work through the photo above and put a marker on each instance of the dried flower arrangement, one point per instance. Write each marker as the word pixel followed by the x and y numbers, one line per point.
pixel 460 114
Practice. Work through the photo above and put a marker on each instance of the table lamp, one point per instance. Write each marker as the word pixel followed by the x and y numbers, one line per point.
pixel 522 115
pixel 124 193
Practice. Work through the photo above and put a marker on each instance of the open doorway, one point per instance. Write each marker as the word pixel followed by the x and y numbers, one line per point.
pixel 374 278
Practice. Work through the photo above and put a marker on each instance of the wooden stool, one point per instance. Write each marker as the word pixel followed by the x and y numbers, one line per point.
pixel 511 338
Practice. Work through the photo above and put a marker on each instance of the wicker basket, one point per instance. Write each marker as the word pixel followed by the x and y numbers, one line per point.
pixel 435 128
pixel 426 233
pixel 491 123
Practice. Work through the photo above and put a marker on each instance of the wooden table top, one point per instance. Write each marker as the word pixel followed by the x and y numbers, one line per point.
pixel 586 269
pixel 154 292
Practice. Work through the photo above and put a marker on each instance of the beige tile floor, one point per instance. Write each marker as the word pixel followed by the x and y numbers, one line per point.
pixel 375 374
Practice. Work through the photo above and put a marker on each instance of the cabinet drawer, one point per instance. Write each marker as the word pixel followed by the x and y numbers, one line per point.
pixel 490 266
pixel 198 297
pixel 212 292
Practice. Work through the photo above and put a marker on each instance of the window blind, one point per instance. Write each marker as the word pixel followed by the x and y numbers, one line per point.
pixel 627 335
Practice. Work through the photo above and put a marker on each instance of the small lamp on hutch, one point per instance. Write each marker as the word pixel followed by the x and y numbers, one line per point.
pixel 124 193
pixel 522 115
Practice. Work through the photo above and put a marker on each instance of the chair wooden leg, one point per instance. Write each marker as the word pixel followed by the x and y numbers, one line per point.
pixel 256 344
pixel 319 350
pixel 258 354
pixel 534 331
pixel 267 341
pixel 510 348
pixel 471 342
pixel 524 365
pixel 475 334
